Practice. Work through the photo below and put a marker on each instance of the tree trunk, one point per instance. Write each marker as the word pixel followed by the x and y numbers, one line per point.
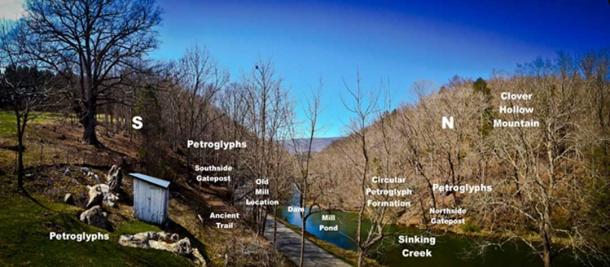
pixel 359 236
pixel 546 242
pixel 546 258
pixel 302 252
pixel 20 168
pixel 264 222
pixel 362 207
pixel 21 123
pixel 423 212
pixel 360 258
pixel 274 225
pixel 89 123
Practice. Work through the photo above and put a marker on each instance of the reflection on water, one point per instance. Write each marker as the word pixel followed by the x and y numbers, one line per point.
pixel 341 238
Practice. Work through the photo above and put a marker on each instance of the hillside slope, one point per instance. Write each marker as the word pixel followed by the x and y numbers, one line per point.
pixel 25 225
pixel 56 162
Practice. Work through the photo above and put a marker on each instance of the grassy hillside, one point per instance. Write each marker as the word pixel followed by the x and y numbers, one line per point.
pixel 54 157
pixel 25 224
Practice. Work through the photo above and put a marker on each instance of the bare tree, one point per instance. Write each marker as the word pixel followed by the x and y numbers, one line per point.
pixel 266 108
pixel 364 108
pixel 417 132
pixel 233 105
pixel 547 191
pixel 23 88
pixel 199 81
pixel 303 179
pixel 97 40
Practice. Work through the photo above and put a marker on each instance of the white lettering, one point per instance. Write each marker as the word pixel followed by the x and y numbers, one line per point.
pixel 137 122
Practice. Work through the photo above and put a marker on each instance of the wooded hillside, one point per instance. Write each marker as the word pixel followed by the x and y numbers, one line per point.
pixel 550 181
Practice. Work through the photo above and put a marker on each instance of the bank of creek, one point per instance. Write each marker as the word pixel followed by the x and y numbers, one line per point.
pixel 449 249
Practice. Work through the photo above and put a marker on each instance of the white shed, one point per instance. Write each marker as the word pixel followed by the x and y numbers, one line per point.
pixel 150 198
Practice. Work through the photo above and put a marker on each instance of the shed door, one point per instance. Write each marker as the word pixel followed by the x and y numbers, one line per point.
pixel 150 202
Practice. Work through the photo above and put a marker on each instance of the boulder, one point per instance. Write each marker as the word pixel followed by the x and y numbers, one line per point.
pixel 160 240
pixel 167 237
pixel 114 178
pixel 198 258
pixel 111 173
pixel 69 199
pixel 100 194
pixel 163 241
pixel 95 199
pixel 139 240
pixel 111 199
pixel 174 237
pixel 92 176
pixel 182 247
pixel 95 216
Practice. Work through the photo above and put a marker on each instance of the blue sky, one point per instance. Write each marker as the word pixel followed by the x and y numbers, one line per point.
pixel 395 41
pixel 398 42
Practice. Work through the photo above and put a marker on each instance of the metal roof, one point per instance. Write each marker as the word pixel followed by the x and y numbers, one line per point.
pixel 150 179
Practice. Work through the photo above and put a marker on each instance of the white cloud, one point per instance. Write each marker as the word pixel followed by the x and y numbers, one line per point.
pixel 11 9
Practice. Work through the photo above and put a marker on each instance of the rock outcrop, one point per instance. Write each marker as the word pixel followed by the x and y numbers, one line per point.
pixel 198 258
pixel 114 178
pixel 163 241
pixel 69 199
pixel 100 194
pixel 95 216
pixel 92 176
pixel 95 198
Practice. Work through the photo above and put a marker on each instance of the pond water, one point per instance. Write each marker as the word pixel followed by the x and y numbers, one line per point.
pixel 448 250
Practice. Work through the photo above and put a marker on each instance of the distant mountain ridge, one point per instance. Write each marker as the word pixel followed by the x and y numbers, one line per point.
pixel 317 145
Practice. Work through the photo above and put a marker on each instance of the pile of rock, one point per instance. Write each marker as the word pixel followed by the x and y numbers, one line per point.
pixel 95 216
pixel 101 194
pixel 163 241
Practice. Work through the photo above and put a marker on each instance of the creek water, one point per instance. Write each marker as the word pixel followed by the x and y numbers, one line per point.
pixel 449 249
